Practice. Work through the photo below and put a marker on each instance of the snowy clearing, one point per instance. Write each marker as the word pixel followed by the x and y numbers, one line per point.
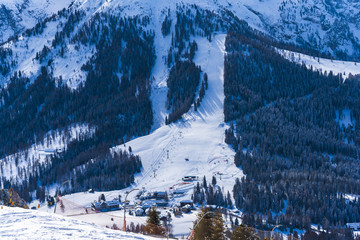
pixel 323 64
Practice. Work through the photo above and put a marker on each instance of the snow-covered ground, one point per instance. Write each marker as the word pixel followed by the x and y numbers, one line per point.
pixel 323 64
pixel 18 165
pixel 198 137
pixel 26 14
pixel 75 207
pixel 17 223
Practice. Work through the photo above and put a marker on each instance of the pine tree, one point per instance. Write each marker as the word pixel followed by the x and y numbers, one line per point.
pixel 218 228
pixel 244 232
pixel 153 224
pixel 202 226
pixel 206 80
pixel 204 183
pixel 213 181
pixel 202 91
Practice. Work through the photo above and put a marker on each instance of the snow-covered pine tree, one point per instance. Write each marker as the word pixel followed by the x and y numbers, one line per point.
pixel 153 224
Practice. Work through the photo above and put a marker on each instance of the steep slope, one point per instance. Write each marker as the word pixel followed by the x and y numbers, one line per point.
pixel 345 68
pixel 105 64
pixel 18 15
pixel 329 27
pixel 314 26
pixel 194 145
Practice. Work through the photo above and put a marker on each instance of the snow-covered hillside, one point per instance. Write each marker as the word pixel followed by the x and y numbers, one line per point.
pixel 344 68
pixel 199 137
pixel 16 166
pixel 194 145
pixel 17 223
pixel 19 15
pixel 324 25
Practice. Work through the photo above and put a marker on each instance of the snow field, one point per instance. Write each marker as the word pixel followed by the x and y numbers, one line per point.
pixel 17 223
pixel 53 142
pixel 199 137
pixel 323 64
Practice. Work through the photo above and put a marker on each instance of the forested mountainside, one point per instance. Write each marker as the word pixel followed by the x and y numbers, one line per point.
pixel 114 100
pixel 299 157
pixel 92 65
pixel 330 27
pixel 18 15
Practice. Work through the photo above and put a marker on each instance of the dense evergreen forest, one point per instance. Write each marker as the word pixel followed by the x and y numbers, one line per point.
pixel 210 193
pixel 114 100
pixel 183 81
pixel 184 77
pixel 299 158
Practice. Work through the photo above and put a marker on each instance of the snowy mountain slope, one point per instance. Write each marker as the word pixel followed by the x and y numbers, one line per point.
pixel 195 144
pixel 327 26
pixel 16 166
pixel 345 68
pixel 18 15
pixel 201 133
pixel 17 223
pixel 321 26
pixel 199 137
pixel 68 66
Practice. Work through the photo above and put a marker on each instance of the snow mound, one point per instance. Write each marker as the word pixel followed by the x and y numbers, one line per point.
pixel 17 223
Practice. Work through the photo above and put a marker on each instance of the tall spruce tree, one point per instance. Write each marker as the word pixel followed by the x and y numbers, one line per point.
pixel 202 226
pixel 244 232
pixel 153 224
pixel 217 227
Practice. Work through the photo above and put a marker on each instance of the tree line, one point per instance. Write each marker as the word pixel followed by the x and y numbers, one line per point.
pixel 114 100
pixel 299 160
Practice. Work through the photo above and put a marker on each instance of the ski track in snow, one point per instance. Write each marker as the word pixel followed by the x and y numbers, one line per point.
pixel 322 64
pixel 199 136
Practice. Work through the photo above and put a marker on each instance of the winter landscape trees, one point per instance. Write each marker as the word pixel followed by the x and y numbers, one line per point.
pixel 299 157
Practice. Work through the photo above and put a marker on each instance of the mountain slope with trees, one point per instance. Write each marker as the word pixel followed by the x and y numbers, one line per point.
pixel 299 159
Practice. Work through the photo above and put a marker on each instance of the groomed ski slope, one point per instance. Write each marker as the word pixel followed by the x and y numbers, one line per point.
pixel 18 223
pixel 322 64
pixel 198 137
